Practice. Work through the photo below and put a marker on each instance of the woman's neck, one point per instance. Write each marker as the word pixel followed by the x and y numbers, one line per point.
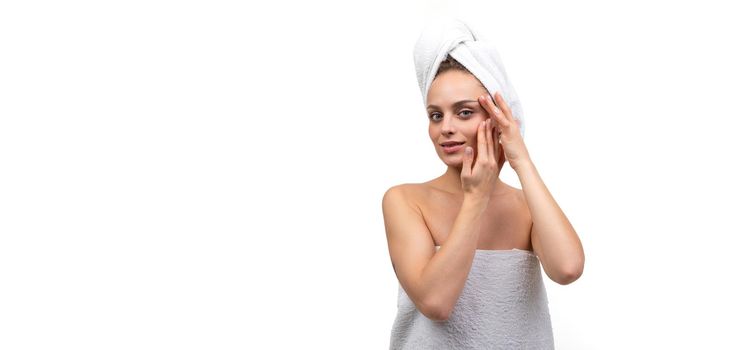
pixel 450 182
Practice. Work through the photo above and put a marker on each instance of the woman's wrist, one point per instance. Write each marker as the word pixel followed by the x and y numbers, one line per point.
pixel 479 201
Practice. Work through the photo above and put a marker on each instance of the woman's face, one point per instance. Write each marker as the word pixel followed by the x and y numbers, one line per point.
pixel 454 114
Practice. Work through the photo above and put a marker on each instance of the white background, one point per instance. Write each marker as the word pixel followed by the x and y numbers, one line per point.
pixel 209 174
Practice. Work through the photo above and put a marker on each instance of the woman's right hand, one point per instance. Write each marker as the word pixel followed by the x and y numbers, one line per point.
pixel 480 179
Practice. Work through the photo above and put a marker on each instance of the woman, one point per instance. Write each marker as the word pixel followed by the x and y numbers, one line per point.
pixel 466 247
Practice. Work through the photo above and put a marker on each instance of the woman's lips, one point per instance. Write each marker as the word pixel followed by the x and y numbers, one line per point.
pixel 452 148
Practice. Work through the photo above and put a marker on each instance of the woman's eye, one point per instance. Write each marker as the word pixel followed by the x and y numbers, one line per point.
pixel 463 116
pixel 470 112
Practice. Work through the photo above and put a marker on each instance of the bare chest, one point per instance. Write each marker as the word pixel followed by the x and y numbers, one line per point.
pixel 505 224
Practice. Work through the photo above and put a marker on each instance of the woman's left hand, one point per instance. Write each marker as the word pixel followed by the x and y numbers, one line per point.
pixel 509 130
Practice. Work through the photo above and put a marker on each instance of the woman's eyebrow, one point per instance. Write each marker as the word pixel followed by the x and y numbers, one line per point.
pixel 454 104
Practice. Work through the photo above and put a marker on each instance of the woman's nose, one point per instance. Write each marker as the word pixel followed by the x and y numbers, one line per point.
pixel 447 125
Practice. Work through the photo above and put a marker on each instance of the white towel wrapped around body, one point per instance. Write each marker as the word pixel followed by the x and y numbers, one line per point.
pixel 444 36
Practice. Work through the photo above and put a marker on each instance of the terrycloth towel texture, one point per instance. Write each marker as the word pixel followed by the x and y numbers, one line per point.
pixel 444 36
pixel 503 306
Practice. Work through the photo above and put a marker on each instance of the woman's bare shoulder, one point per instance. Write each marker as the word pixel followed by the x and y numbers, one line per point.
pixel 413 192
pixel 518 192
pixel 518 201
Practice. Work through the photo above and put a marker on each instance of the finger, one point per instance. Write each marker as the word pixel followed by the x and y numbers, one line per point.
pixel 504 107
pixel 494 112
pixel 487 139
pixel 490 140
pixel 502 104
pixel 502 156
pixel 481 141
pixel 467 162
pixel 496 144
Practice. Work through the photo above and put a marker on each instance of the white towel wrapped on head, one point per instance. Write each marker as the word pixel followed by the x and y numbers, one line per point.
pixel 444 36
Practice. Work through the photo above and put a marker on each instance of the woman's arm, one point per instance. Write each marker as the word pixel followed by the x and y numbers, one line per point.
pixel 553 238
pixel 433 281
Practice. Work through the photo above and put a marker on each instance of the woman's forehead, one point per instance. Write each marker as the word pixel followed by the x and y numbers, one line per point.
pixel 452 86
pixel 470 101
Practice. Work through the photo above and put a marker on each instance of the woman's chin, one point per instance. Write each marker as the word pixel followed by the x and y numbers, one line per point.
pixel 453 160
